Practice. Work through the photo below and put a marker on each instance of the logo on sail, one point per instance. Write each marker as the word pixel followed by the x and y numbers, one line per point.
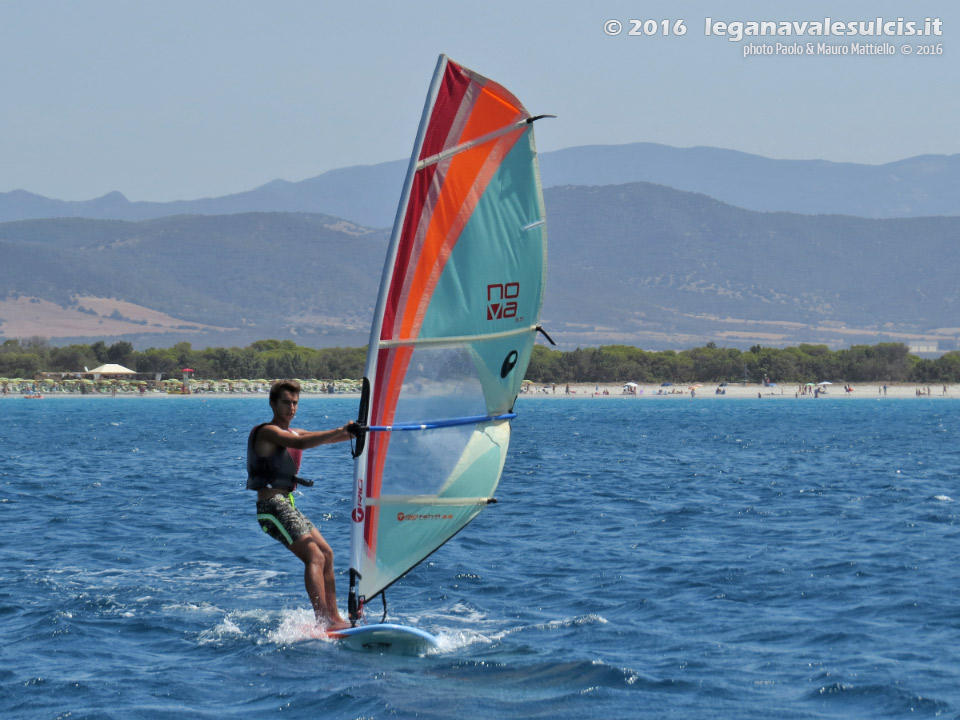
pixel 358 513
pixel 435 516
pixel 502 300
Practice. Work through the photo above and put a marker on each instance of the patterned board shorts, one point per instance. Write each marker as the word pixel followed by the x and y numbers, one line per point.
pixel 281 520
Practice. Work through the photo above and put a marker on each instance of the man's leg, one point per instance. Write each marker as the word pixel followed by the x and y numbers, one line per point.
pixel 318 577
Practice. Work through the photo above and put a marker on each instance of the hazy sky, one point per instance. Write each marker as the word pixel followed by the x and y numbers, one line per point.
pixel 191 98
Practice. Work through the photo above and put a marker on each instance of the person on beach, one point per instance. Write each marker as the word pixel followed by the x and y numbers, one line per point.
pixel 274 450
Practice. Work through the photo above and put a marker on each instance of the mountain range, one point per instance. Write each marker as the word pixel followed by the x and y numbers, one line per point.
pixel 633 263
pixel 367 195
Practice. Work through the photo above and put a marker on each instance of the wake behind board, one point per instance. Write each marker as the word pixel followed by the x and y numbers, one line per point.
pixel 386 637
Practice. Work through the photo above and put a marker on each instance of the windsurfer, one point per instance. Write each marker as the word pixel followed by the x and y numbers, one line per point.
pixel 273 460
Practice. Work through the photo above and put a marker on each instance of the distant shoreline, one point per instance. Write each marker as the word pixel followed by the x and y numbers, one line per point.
pixel 602 391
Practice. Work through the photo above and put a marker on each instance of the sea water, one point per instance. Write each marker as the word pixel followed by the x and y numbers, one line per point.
pixel 649 558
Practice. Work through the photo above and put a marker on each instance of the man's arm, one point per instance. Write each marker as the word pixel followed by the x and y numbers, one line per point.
pixel 302 439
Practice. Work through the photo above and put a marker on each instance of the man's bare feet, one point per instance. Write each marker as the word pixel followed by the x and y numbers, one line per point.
pixel 333 625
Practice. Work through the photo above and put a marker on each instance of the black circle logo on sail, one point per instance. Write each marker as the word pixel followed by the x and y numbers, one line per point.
pixel 509 362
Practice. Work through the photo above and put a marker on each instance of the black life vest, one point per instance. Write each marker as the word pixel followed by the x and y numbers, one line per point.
pixel 275 471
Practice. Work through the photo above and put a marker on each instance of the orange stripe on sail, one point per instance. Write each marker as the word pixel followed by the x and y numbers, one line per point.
pixel 458 182
pixel 391 370
pixel 490 112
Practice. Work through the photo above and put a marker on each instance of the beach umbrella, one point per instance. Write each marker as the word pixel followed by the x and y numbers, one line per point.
pixel 112 369
pixel 825 382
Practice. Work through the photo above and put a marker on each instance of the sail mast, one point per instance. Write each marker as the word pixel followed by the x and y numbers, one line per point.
pixel 360 460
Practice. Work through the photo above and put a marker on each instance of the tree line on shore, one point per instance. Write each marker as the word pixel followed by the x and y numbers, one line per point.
pixel 884 362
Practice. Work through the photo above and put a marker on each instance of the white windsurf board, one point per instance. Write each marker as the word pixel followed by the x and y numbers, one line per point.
pixel 386 637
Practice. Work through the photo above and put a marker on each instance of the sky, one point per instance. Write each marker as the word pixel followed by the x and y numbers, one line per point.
pixel 184 99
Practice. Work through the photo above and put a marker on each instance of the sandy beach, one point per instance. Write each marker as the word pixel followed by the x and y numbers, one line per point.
pixel 742 390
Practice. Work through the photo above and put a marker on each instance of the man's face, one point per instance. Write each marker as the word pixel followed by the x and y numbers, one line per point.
pixel 286 405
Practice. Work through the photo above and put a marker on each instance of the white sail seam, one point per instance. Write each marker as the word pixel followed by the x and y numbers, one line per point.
pixel 424 500
pixel 454 341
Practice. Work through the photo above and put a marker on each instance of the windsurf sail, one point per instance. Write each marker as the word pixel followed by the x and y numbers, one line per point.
pixel 453 331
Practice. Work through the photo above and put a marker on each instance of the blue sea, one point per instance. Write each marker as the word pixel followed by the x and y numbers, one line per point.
pixel 649 558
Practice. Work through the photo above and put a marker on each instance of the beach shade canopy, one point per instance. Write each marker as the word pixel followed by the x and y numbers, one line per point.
pixel 630 385
pixel 825 382
pixel 113 369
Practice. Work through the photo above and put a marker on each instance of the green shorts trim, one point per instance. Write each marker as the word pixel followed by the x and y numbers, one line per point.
pixel 280 519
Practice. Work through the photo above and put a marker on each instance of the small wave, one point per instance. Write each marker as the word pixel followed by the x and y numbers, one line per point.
pixel 472 626
pixel 943 498
pixel 550 626
pixel 884 699
pixel 459 612
pixel 553 680
pixel 578 621
pixel 252 625
pixel 225 629
pixel 201 607
pixel 203 570
pixel 450 641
